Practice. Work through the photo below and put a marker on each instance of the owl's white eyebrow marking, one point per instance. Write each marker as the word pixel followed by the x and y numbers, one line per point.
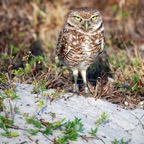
pixel 94 15
pixel 77 16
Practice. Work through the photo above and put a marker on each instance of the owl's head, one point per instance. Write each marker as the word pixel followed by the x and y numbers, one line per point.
pixel 85 19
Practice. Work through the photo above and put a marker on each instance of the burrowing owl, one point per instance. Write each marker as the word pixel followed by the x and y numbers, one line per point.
pixel 81 41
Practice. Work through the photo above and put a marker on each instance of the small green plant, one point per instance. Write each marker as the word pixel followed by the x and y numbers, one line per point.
pixel 55 94
pixel 50 127
pixel 39 86
pixel 119 141
pixel 135 80
pixel 19 73
pixel 10 93
pixel 6 123
pixel 71 131
pixel 34 121
pixel 121 60
pixel 62 140
pixel 14 50
pixel 39 59
pixel 36 124
pixel 48 131
pixel 3 79
pixel 40 103
pixel 2 105
pixel 40 125
pixel 33 131
pixel 94 131
pixel 135 62
pixel 134 87
pixel 102 119
pixel 35 88
pixel 4 56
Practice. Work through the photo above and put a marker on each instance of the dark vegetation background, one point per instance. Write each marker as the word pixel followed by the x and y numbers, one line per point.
pixel 29 31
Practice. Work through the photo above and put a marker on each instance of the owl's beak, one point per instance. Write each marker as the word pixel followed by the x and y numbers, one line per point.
pixel 86 25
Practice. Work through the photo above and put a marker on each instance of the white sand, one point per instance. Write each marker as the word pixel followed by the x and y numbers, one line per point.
pixel 121 123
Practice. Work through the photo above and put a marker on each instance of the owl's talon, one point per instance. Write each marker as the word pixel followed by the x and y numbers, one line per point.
pixel 75 88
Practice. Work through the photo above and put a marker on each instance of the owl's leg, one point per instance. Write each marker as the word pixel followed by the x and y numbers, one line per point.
pixel 83 74
pixel 75 85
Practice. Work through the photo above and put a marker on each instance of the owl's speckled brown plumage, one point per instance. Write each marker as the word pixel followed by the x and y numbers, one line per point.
pixel 81 41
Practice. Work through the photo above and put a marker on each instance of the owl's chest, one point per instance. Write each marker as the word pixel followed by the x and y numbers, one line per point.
pixel 86 45
pixel 81 43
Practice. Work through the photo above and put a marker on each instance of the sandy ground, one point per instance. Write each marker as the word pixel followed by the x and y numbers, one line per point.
pixel 121 124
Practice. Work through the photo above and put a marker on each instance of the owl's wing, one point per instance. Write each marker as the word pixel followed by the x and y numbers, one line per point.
pixel 102 41
pixel 62 45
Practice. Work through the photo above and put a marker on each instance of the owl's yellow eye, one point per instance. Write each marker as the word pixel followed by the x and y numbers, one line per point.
pixel 93 18
pixel 77 18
